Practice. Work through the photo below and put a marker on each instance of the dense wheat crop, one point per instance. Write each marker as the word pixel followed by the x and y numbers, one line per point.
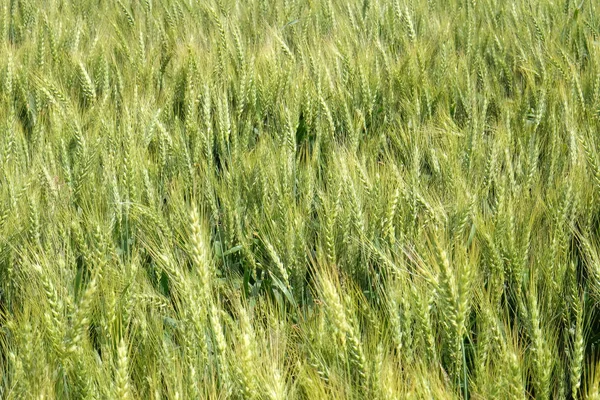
pixel 363 199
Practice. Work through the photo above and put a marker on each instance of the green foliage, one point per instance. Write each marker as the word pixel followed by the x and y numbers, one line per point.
pixel 299 199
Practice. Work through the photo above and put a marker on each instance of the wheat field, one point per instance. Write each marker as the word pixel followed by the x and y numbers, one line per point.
pixel 287 199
